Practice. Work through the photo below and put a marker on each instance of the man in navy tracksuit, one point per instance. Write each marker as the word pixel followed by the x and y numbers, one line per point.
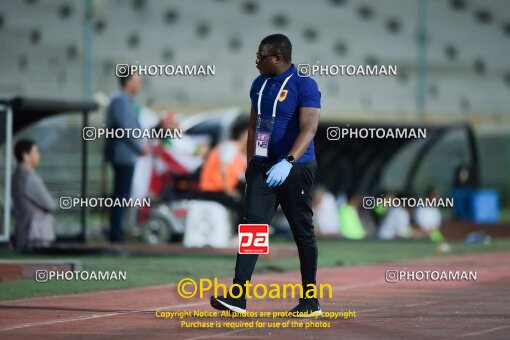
pixel 123 152
pixel 285 109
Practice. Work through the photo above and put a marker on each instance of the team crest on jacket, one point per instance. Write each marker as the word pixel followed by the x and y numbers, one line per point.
pixel 283 95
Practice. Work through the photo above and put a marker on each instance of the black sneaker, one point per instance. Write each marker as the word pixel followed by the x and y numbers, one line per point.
pixel 307 308
pixel 229 303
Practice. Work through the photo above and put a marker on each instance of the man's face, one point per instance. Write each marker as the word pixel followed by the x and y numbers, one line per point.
pixel 32 157
pixel 134 84
pixel 267 62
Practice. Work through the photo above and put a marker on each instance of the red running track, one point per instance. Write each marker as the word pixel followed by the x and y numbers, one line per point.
pixel 405 310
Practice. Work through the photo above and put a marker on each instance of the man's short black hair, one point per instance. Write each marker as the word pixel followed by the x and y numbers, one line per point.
pixel 239 126
pixel 280 45
pixel 21 147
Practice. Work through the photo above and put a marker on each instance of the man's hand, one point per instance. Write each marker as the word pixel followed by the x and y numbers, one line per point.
pixel 278 173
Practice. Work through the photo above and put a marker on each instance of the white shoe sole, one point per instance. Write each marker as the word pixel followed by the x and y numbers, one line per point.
pixel 232 308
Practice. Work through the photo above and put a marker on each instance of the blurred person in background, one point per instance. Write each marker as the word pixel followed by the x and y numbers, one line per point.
pixel 189 151
pixel 224 167
pixel 351 226
pixel 176 156
pixel 148 120
pixel 325 212
pixel 140 183
pixel 429 220
pixel 33 204
pixel 380 210
pixel 465 176
pixel 123 153
pixel 368 222
pixel 397 223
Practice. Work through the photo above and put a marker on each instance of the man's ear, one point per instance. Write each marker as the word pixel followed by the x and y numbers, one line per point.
pixel 25 155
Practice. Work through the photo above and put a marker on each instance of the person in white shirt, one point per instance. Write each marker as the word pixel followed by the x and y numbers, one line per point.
pixel 428 218
pixel 325 212
pixel 396 223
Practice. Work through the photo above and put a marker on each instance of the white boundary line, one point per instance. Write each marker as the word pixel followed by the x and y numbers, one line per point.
pixel 484 332
pixel 95 316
